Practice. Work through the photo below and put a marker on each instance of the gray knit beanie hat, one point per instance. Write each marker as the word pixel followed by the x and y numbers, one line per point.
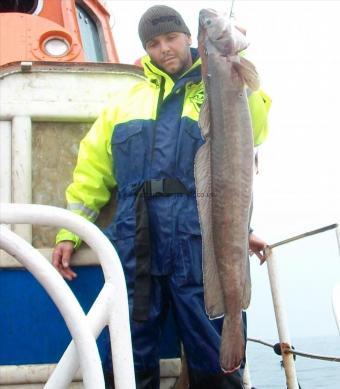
pixel 159 20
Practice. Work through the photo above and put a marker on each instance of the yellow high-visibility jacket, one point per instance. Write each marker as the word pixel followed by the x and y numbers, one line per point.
pixel 95 172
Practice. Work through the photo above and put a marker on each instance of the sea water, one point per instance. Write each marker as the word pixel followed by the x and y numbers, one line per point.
pixel 266 371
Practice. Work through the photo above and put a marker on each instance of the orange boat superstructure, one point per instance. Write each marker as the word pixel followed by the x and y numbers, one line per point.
pixel 55 30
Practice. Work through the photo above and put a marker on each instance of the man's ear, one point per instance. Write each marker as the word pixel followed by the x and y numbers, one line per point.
pixel 189 40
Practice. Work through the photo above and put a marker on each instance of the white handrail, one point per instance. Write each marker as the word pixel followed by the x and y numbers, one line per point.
pixel 115 312
pixel 336 304
pixel 66 302
pixel 280 313
pixel 281 321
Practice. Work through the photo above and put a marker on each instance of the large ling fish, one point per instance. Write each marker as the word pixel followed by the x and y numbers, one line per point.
pixel 223 175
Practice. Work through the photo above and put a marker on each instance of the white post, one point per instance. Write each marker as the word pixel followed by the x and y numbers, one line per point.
pixel 120 358
pixel 66 302
pixel 281 321
pixel 22 168
pixel 116 309
pixel 246 377
pixel 336 304
pixel 5 162
pixel 5 165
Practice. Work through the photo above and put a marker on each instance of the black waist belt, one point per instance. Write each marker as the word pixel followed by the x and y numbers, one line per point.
pixel 162 187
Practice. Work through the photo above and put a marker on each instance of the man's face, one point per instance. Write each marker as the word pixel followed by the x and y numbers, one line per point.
pixel 171 52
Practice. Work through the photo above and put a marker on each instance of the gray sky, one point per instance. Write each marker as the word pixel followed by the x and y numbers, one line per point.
pixel 295 46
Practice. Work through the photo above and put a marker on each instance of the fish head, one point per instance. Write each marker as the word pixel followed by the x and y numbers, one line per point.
pixel 214 23
pixel 220 31
pixel 217 30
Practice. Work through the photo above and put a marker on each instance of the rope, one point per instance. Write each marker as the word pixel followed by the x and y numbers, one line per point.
pixel 300 353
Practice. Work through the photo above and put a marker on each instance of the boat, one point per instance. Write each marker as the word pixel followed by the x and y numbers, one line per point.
pixel 58 68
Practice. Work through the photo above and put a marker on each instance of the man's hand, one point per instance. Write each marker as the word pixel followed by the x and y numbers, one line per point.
pixel 61 257
pixel 257 246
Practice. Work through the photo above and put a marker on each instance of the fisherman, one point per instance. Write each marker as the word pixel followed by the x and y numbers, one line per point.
pixel 144 144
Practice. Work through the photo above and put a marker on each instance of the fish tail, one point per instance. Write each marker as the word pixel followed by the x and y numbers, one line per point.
pixel 232 350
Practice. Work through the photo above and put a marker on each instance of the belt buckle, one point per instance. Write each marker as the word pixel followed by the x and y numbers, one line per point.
pixel 157 187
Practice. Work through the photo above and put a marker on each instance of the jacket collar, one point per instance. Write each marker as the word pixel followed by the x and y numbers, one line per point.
pixel 155 74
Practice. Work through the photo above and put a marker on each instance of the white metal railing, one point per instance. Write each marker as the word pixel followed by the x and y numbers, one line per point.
pixel 279 309
pixel 281 321
pixel 336 290
pixel 64 299
pixel 336 304
pixel 111 305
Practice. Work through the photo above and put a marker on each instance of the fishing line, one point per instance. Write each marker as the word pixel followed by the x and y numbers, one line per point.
pixel 231 14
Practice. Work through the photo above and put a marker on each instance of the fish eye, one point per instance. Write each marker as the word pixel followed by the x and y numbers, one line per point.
pixel 208 22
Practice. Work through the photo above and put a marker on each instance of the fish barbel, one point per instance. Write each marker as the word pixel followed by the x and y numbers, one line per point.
pixel 223 176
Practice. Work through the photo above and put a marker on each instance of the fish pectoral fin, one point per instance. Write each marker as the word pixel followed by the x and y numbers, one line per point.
pixel 247 72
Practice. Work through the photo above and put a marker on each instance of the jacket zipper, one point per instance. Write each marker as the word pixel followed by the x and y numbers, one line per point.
pixel 159 103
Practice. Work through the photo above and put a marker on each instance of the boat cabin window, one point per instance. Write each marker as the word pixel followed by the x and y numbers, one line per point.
pixel 23 6
pixel 89 36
